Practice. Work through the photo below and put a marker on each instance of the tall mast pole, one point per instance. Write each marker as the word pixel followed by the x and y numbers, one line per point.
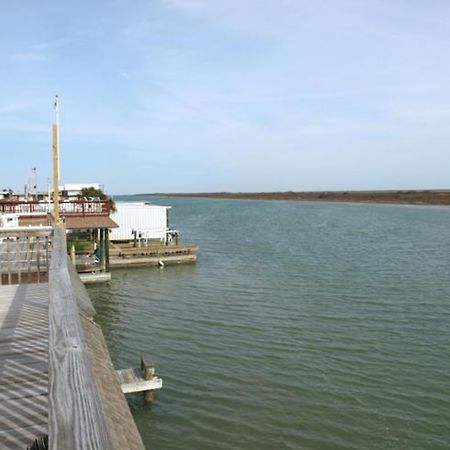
pixel 55 130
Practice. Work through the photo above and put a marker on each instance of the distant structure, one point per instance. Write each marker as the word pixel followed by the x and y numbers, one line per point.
pixel 5 194
pixel 142 221
pixel 72 190
pixel 144 237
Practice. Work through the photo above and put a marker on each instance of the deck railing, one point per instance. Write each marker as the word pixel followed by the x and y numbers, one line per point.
pixel 76 410
pixel 24 255
pixel 76 417
pixel 66 207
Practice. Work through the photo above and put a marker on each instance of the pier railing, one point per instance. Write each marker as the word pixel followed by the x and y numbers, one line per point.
pixel 86 407
pixel 76 416
pixel 66 207
pixel 24 255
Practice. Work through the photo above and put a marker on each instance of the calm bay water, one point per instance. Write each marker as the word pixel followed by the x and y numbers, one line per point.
pixel 302 326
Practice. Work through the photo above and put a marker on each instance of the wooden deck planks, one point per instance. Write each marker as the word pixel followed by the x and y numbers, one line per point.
pixel 77 399
pixel 23 364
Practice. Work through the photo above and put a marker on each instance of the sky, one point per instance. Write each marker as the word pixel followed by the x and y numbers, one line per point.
pixel 227 95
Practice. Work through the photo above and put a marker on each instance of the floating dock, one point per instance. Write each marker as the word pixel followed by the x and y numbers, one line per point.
pixel 127 255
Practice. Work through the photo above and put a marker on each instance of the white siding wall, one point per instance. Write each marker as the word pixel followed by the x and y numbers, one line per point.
pixel 150 220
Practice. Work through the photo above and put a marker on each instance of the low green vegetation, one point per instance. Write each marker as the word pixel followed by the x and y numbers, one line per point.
pixel 80 246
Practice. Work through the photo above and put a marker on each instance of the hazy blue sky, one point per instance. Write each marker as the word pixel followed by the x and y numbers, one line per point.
pixel 212 95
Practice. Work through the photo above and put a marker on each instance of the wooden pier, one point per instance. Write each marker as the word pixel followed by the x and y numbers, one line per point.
pixel 58 385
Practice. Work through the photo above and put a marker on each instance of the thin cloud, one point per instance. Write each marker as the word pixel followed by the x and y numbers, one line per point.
pixel 32 56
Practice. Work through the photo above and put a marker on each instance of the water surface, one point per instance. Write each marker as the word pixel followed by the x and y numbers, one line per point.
pixel 302 326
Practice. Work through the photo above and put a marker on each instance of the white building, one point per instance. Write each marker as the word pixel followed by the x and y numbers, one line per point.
pixel 72 190
pixel 141 221
pixel 9 220
pixel 5 193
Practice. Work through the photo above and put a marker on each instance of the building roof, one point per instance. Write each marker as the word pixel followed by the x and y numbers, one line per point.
pixel 78 186
pixel 139 204
pixel 72 222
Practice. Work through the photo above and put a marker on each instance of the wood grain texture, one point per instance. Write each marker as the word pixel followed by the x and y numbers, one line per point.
pixel 76 416
pixel 134 380
pixel 84 302
pixel 124 433
pixel 23 364
pixel 56 375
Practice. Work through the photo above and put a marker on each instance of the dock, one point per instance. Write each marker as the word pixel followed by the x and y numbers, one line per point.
pixel 139 379
pixel 92 250
pixel 58 386
pixel 128 255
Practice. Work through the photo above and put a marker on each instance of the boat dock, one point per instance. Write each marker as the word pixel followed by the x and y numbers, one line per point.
pixel 126 255
pixel 96 242
pixel 58 386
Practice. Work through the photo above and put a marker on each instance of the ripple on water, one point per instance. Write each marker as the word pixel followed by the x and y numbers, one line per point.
pixel 302 326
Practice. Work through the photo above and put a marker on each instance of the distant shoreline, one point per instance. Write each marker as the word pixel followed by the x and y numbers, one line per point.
pixel 410 197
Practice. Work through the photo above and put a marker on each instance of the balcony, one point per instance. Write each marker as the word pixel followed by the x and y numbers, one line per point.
pixel 66 207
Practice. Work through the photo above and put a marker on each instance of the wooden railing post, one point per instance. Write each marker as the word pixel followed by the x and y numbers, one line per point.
pixel 20 254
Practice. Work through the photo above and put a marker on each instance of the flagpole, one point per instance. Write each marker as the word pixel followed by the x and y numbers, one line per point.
pixel 55 130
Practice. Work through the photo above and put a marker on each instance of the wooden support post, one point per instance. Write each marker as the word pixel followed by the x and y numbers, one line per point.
pixel 55 174
pixel 107 250
pixel 38 259
pixel 148 372
pixel 8 260
pixel 47 243
pixel 99 247
pixel 149 396
pixel 18 261
pixel 102 245
pixel 73 255
pixel 28 258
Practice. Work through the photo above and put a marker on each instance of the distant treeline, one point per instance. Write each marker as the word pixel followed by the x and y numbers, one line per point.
pixel 428 197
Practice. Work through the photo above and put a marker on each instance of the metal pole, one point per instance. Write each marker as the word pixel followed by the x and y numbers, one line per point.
pixel 34 170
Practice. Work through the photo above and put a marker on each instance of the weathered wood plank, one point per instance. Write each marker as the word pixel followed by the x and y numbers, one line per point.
pixel 120 421
pixel 22 437
pixel 23 364
pixel 84 302
pixel 24 412
pixel 75 398
pixel 76 418
pixel 26 231
pixel 133 380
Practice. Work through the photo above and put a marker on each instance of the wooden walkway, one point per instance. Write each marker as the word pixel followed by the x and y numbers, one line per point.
pixel 23 364
pixel 56 375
